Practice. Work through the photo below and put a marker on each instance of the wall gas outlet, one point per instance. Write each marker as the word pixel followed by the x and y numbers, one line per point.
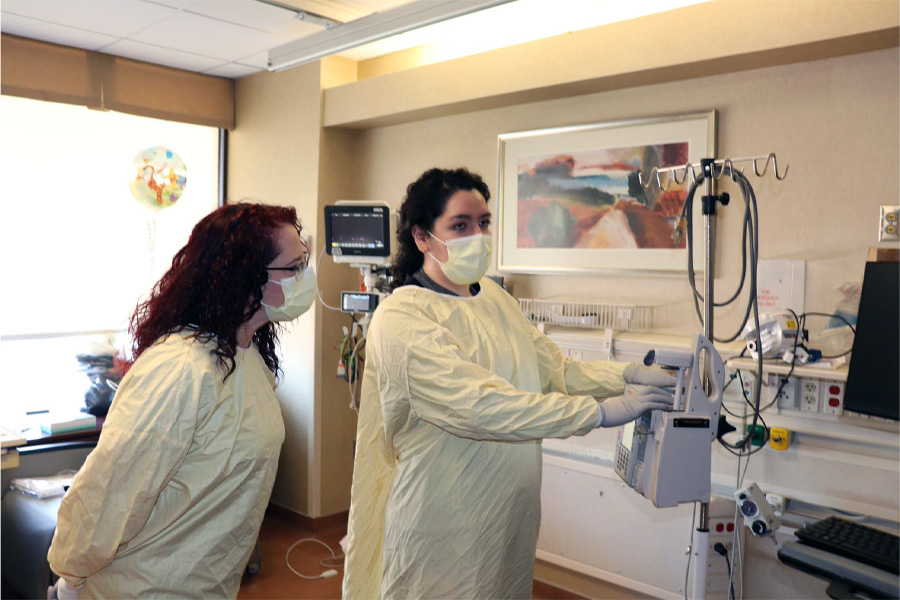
pixel 832 397
pixel 749 381
pixel 810 391
pixel 888 223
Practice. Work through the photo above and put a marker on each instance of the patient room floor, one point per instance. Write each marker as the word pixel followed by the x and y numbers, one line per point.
pixel 275 580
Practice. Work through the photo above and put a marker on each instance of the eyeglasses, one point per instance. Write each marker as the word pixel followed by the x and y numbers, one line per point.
pixel 296 269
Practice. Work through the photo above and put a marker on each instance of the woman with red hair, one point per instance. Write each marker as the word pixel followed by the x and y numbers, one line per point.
pixel 170 502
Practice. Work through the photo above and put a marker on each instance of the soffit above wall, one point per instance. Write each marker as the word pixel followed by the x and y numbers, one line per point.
pixel 655 49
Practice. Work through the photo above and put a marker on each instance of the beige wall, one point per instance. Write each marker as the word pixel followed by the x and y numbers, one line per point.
pixel 337 181
pixel 833 120
pixel 274 157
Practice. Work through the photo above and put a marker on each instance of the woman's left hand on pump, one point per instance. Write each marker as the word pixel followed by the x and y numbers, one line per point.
pixel 655 376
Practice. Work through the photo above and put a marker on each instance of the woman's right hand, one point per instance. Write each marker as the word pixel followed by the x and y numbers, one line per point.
pixel 636 400
pixel 63 590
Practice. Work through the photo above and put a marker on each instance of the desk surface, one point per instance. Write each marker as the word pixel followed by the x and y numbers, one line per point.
pixel 33 435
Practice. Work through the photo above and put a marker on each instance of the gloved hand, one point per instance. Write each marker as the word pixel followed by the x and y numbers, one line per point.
pixel 635 373
pixel 636 400
pixel 63 590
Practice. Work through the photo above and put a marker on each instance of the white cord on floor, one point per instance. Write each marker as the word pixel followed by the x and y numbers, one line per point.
pixel 324 574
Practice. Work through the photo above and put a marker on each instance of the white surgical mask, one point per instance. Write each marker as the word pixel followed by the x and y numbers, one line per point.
pixel 299 293
pixel 467 258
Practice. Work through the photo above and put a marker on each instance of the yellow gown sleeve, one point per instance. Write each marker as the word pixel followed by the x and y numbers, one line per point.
pixel 562 373
pixel 373 473
pixel 145 438
pixel 445 388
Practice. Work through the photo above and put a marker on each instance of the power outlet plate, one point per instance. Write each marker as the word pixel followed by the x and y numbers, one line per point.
pixel 787 399
pixel 721 530
pixel 832 397
pixel 810 392
pixel 888 226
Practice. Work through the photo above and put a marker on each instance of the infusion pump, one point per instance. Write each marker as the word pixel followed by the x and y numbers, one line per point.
pixel 666 456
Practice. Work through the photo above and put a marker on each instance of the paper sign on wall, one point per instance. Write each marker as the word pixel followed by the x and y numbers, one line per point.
pixel 780 284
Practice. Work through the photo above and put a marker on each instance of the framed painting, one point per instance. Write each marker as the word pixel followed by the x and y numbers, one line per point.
pixel 571 200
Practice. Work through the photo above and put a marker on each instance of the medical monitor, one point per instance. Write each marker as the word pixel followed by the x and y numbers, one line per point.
pixel 358 233
pixel 872 380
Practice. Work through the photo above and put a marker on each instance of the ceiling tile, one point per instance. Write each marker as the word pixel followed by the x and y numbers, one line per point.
pixel 162 56
pixel 119 18
pixel 208 37
pixel 259 60
pixel 233 71
pixel 50 32
pixel 180 4
pixel 257 15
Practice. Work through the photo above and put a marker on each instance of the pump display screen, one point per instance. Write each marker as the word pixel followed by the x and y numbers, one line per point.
pixel 357 230
pixel 627 435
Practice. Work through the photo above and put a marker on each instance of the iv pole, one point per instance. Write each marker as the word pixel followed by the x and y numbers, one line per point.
pixel 700 544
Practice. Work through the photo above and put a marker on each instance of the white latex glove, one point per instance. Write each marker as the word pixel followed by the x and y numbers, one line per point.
pixel 635 373
pixel 636 400
pixel 63 590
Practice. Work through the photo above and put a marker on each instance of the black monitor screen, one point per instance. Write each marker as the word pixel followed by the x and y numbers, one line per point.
pixel 872 381
pixel 357 230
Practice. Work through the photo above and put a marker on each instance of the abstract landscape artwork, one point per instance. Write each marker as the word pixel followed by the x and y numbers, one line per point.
pixel 571 198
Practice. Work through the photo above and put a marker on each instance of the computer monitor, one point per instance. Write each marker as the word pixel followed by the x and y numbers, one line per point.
pixel 358 233
pixel 872 380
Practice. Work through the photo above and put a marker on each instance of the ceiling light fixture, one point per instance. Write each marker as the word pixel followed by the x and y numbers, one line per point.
pixel 371 28
pixel 304 15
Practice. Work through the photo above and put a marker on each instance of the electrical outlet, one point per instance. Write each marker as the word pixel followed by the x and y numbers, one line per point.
pixel 787 399
pixel 721 531
pixel 810 390
pixel 833 397
pixel 888 223
pixel 720 527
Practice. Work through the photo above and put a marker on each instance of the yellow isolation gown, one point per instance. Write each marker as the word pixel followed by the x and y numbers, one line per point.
pixel 169 503
pixel 456 396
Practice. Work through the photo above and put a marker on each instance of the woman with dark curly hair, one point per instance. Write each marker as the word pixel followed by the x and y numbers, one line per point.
pixel 170 502
pixel 458 391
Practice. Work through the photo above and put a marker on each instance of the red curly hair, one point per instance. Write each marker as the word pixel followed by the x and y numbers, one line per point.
pixel 216 283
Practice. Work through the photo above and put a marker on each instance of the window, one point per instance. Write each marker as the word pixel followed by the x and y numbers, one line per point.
pixel 78 249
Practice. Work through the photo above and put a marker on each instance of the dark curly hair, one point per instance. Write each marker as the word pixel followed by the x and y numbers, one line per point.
pixel 425 201
pixel 215 283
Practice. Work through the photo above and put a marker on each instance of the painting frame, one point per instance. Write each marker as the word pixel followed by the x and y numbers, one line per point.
pixel 698 130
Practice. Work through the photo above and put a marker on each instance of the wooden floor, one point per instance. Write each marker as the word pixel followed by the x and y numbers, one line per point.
pixel 275 580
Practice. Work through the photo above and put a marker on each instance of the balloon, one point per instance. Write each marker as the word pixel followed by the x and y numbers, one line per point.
pixel 160 177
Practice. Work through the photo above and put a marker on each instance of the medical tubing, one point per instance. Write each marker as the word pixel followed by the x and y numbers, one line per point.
pixel 787 377
pixel 740 445
pixel 318 288
pixel 723 551
pixel 751 217
pixel 739 548
pixel 321 575
pixel 835 315
pixel 750 242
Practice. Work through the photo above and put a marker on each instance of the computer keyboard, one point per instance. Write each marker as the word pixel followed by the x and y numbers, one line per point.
pixel 854 541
